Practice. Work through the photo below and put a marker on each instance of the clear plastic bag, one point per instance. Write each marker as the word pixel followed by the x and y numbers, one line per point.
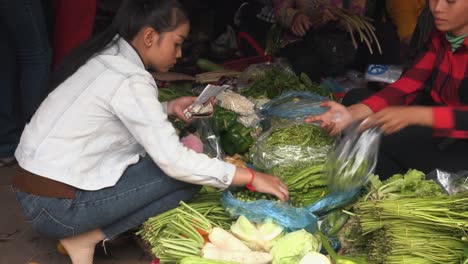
pixel 294 105
pixel 452 183
pixel 258 71
pixel 206 129
pixel 292 145
pixel 289 217
pixel 352 162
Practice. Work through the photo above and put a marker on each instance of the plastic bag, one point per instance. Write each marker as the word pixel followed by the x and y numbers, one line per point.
pixel 342 84
pixel 383 73
pixel 258 71
pixel 333 201
pixel 452 183
pixel 235 102
pixel 240 105
pixel 289 217
pixel 290 145
pixel 206 129
pixel 294 105
pixel 225 45
pixel 350 165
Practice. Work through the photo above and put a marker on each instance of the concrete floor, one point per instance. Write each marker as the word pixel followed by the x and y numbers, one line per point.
pixel 19 244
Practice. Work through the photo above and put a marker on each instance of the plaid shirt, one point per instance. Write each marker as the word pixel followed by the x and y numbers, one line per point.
pixel 447 73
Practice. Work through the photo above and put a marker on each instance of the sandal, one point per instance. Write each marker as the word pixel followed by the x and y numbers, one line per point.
pixel 7 162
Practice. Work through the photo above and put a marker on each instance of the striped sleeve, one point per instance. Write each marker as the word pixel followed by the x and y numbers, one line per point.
pixel 407 88
pixel 450 121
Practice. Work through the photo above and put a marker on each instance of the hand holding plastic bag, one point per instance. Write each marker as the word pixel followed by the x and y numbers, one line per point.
pixel 352 162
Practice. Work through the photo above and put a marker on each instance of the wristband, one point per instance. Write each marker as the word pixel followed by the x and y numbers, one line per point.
pixel 249 185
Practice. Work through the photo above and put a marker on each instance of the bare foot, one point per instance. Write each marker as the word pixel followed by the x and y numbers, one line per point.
pixel 81 248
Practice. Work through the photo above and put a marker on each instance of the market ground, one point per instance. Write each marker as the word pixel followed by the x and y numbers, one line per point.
pixel 20 245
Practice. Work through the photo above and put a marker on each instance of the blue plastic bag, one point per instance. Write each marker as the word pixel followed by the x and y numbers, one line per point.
pixel 333 201
pixel 291 218
pixel 294 105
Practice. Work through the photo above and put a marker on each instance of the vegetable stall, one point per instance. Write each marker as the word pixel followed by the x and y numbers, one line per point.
pixel 339 212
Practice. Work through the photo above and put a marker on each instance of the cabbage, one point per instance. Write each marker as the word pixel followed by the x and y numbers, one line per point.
pixel 257 237
pixel 291 248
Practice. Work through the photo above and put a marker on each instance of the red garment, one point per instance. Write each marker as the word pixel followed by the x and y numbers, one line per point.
pixel 74 22
pixel 449 71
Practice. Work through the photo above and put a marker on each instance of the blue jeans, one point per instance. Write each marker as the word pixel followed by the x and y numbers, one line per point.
pixel 143 191
pixel 25 59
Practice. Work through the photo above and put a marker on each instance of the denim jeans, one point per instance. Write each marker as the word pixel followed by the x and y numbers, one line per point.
pixel 25 59
pixel 143 191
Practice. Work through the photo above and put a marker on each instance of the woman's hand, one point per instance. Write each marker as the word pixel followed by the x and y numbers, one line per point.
pixel 266 183
pixel 177 106
pixel 301 24
pixel 334 120
pixel 328 16
pixel 262 182
pixel 395 118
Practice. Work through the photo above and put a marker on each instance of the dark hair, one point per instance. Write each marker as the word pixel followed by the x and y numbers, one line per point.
pixel 132 16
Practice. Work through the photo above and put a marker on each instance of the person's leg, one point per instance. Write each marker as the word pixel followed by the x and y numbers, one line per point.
pixel 9 133
pixel 142 191
pixel 33 53
pixel 415 148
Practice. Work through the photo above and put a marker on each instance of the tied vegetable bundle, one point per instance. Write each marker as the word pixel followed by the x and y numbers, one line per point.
pixel 408 219
pixel 353 23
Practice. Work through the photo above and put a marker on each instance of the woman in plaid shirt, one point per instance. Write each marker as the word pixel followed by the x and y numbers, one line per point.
pixel 424 115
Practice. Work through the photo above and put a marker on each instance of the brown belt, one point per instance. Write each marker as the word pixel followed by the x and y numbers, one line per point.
pixel 31 183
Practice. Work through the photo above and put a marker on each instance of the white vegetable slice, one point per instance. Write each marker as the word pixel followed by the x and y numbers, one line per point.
pixel 253 257
pixel 315 258
pixel 227 241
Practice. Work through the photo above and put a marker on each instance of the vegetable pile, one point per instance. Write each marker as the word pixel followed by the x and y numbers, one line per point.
pixel 273 82
pixel 283 151
pixel 407 220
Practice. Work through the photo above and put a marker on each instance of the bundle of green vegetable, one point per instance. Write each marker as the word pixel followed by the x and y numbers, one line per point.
pixel 353 23
pixel 406 219
pixel 283 151
pixel 206 206
pixel 412 184
pixel 351 164
pixel 274 81
pixel 416 230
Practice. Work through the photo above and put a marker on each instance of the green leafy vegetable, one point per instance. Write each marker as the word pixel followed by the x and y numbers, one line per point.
pixel 291 248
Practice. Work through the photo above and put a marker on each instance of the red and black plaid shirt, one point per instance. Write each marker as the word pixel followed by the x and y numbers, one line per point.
pixel 447 73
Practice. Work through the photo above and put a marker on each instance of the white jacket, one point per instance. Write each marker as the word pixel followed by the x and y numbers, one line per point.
pixel 101 120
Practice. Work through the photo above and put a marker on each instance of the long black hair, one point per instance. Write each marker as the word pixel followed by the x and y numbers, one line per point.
pixel 132 16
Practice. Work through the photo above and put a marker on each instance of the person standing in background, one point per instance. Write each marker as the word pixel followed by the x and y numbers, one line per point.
pixel 24 69
pixel 404 15
pixel 315 41
pixel 74 23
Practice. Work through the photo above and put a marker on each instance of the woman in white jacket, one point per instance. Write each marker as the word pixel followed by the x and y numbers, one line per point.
pixel 99 156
